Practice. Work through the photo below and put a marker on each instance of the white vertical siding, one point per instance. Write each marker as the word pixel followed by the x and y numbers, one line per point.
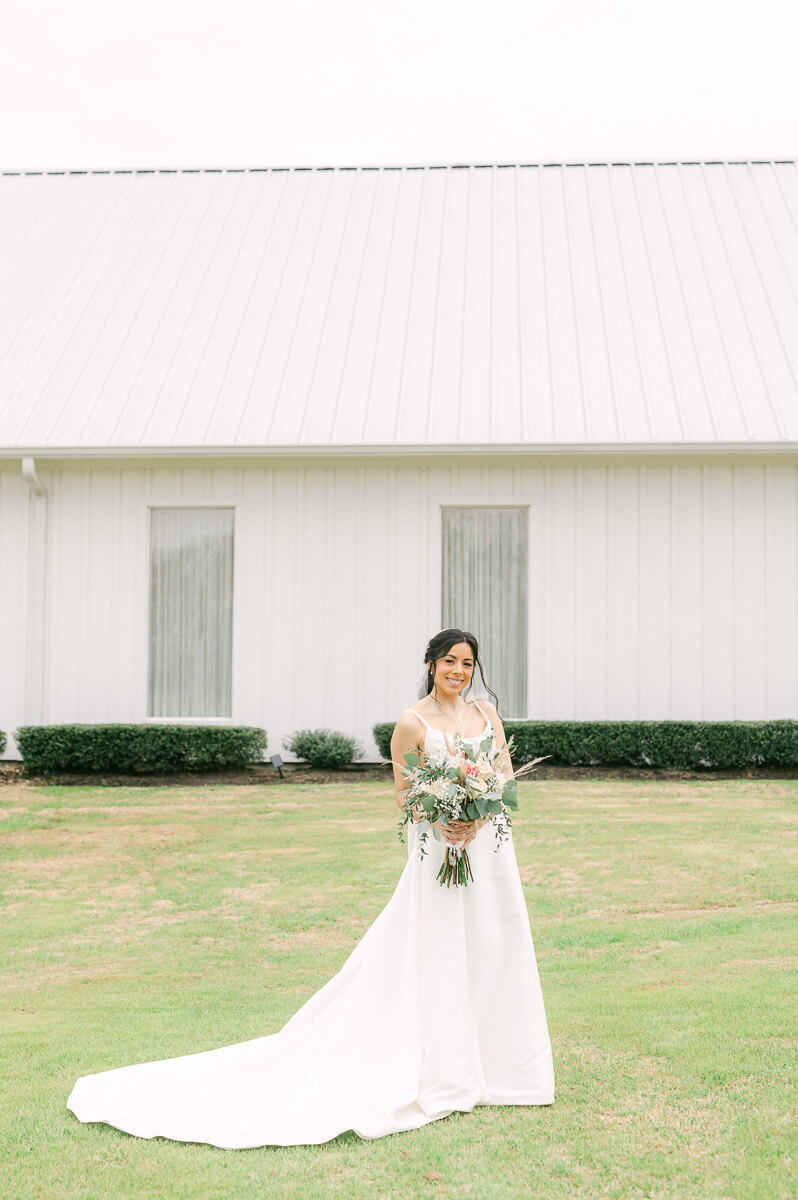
pixel 656 591
pixel 686 590
pixel 17 529
pixel 781 588
pixel 718 647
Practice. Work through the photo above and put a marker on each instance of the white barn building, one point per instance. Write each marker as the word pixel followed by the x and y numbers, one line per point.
pixel 263 432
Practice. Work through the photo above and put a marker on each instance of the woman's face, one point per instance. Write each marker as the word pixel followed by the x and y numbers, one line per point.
pixel 453 670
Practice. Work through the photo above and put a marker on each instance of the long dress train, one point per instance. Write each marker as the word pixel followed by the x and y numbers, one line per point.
pixel 438 1008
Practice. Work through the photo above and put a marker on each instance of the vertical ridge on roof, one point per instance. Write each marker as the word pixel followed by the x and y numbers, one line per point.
pixel 434 358
pixel 587 432
pixel 354 307
pixel 403 336
pixel 280 272
pixel 743 303
pixel 189 253
pixel 129 318
pixel 630 313
pixel 458 397
pixel 369 399
pixel 519 310
pixel 491 331
pixel 662 328
pixel 545 311
pixel 247 306
pixel 686 302
pixel 766 292
pixel 606 323
pixel 306 279
pixel 329 289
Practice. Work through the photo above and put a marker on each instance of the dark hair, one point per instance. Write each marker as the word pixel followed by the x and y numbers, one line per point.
pixel 440 645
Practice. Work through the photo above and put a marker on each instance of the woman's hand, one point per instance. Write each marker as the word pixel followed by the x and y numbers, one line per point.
pixel 460 831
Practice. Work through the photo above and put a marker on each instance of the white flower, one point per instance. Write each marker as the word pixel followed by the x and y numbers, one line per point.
pixel 476 785
pixel 484 769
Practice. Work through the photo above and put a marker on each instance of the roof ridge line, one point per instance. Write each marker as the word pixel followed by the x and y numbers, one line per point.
pixel 431 166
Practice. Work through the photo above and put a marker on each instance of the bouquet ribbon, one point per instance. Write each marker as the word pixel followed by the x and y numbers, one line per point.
pixel 456 867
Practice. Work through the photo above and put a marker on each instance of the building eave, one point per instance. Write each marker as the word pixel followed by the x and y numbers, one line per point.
pixel 543 451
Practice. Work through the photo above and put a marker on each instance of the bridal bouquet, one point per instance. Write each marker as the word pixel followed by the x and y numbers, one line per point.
pixel 462 785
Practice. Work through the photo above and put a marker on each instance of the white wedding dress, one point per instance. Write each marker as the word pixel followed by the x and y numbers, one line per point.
pixel 438 1008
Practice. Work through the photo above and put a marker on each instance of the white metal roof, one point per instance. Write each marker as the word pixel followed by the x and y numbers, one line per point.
pixel 577 304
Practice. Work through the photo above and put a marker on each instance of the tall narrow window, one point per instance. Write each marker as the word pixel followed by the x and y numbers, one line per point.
pixel 484 592
pixel 191 612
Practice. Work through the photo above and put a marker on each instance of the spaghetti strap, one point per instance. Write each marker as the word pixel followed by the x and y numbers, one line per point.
pixel 442 731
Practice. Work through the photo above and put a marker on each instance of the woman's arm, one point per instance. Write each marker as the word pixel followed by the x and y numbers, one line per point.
pixel 405 737
pixel 503 760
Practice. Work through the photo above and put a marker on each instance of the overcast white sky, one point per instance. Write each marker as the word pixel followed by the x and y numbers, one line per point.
pixel 169 83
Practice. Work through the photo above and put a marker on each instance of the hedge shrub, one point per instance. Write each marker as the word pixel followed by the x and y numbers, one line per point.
pixel 2 741
pixel 326 748
pixel 678 745
pixel 137 749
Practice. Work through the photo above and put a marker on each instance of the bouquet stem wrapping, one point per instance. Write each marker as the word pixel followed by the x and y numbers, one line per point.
pixel 456 868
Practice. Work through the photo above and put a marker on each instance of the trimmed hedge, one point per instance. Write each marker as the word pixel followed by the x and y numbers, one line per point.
pixel 137 749
pixel 678 745
pixel 2 741
pixel 326 748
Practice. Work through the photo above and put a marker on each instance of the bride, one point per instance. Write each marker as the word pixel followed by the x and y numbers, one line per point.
pixel 438 1008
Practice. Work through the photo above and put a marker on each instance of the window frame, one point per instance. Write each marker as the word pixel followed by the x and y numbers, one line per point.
pixel 434 612
pixel 193 501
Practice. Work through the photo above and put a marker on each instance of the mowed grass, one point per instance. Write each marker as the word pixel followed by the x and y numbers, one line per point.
pixel 140 924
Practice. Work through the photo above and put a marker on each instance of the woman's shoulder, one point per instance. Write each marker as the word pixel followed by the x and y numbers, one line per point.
pixel 409 728
pixel 488 708
pixel 410 716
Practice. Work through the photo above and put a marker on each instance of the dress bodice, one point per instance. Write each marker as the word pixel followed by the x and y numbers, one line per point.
pixel 477 737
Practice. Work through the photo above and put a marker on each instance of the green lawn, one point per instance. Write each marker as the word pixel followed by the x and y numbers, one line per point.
pixel 140 924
